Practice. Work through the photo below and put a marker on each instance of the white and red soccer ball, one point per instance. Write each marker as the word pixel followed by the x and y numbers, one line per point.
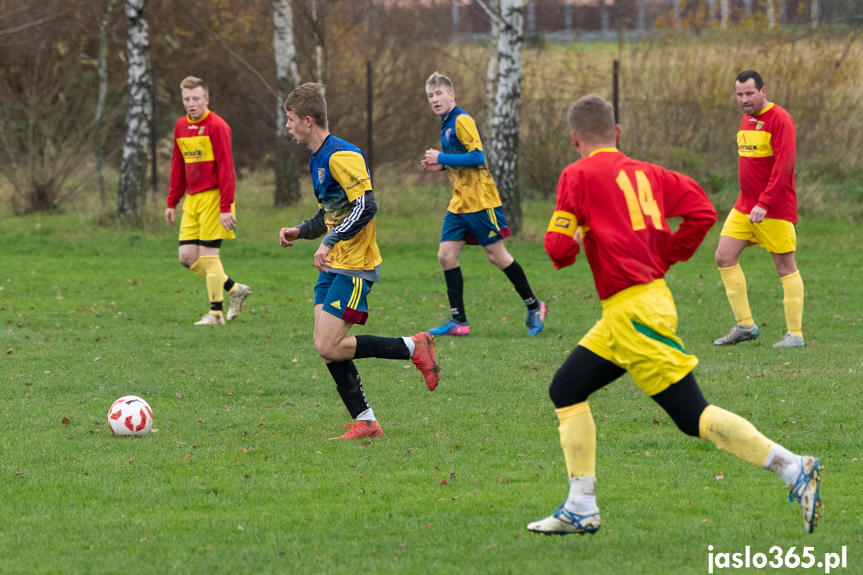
pixel 130 416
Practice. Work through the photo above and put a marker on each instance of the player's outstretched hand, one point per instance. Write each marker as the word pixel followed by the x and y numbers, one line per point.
pixel 287 236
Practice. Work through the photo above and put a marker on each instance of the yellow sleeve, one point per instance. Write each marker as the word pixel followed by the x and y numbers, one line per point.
pixel 467 133
pixel 349 170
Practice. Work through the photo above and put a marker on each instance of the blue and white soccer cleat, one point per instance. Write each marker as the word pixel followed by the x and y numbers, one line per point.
pixel 536 319
pixel 563 522
pixel 806 491
pixel 451 327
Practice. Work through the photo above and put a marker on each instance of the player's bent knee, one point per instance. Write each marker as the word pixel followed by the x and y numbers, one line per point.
pixel 684 403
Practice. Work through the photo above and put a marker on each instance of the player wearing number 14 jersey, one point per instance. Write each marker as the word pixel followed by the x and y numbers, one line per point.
pixel 619 208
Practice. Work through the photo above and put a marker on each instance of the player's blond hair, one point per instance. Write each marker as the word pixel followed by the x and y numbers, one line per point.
pixel 308 100
pixel 438 79
pixel 192 82
pixel 592 119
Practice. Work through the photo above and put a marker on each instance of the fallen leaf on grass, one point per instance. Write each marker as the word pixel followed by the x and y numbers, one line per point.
pixel 65 421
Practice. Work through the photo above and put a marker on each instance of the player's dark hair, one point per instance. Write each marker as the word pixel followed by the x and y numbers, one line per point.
pixel 308 100
pixel 747 75
pixel 592 118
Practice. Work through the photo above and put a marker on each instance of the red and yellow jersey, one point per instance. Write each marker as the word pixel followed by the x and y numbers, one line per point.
pixel 202 160
pixel 473 188
pixel 621 207
pixel 767 150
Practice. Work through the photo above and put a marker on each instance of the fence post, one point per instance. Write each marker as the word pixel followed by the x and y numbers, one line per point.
pixel 615 92
pixel 369 116
pixel 154 174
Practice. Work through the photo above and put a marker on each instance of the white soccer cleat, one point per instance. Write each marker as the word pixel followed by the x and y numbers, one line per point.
pixel 790 340
pixel 563 522
pixel 211 319
pixel 238 297
pixel 806 492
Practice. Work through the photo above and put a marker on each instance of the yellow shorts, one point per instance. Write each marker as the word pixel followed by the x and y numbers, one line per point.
pixel 201 218
pixel 775 236
pixel 637 333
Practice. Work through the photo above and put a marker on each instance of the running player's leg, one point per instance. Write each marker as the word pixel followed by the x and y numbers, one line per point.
pixel 490 229
pixel 685 404
pixel 582 373
pixel 344 302
pixel 449 251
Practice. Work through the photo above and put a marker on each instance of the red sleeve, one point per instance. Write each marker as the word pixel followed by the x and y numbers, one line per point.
pixel 558 241
pixel 221 141
pixel 783 139
pixel 177 186
pixel 684 198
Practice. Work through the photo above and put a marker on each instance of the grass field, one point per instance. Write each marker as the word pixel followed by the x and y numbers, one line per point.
pixel 240 477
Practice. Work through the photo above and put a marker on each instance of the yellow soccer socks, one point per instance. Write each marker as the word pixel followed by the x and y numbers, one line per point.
pixel 792 286
pixel 215 277
pixel 578 439
pixel 731 433
pixel 735 289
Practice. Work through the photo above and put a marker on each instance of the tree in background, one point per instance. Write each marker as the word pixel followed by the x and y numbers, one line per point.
pixel 102 70
pixel 287 190
pixel 139 113
pixel 506 115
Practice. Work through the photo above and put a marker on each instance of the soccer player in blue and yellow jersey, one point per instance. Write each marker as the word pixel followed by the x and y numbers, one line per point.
pixel 619 208
pixel 347 259
pixel 765 213
pixel 474 214
pixel 202 169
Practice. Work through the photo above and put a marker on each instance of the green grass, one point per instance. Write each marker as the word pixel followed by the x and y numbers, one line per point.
pixel 240 477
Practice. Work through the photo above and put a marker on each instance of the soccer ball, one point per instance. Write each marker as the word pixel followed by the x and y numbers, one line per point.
pixel 130 416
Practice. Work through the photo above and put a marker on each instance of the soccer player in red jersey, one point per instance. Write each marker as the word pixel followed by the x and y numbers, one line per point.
pixel 618 208
pixel 765 212
pixel 202 169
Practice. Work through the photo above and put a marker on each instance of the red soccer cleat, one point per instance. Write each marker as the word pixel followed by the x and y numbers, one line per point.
pixel 362 428
pixel 424 358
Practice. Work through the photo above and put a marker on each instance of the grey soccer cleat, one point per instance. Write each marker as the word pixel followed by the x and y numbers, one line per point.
pixel 737 334
pixel 790 340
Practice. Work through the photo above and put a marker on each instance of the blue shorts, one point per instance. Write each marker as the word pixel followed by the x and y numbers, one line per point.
pixel 344 296
pixel 483 227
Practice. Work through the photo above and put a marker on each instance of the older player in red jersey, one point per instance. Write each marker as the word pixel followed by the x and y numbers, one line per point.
pixel 765 213
pixel 619 208
pixel 202 169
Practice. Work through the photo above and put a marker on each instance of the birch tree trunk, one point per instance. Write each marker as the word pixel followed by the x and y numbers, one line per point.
pixel 491 74
pixel 723 14
pixel 319 45
pixel 507 111
pixel 139 114
pixel 287 190
pixel 102 71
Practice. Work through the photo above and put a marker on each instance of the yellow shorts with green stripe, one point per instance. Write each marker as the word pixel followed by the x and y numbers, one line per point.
pixel 637 333
pixel 774 235
pixel 200 219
